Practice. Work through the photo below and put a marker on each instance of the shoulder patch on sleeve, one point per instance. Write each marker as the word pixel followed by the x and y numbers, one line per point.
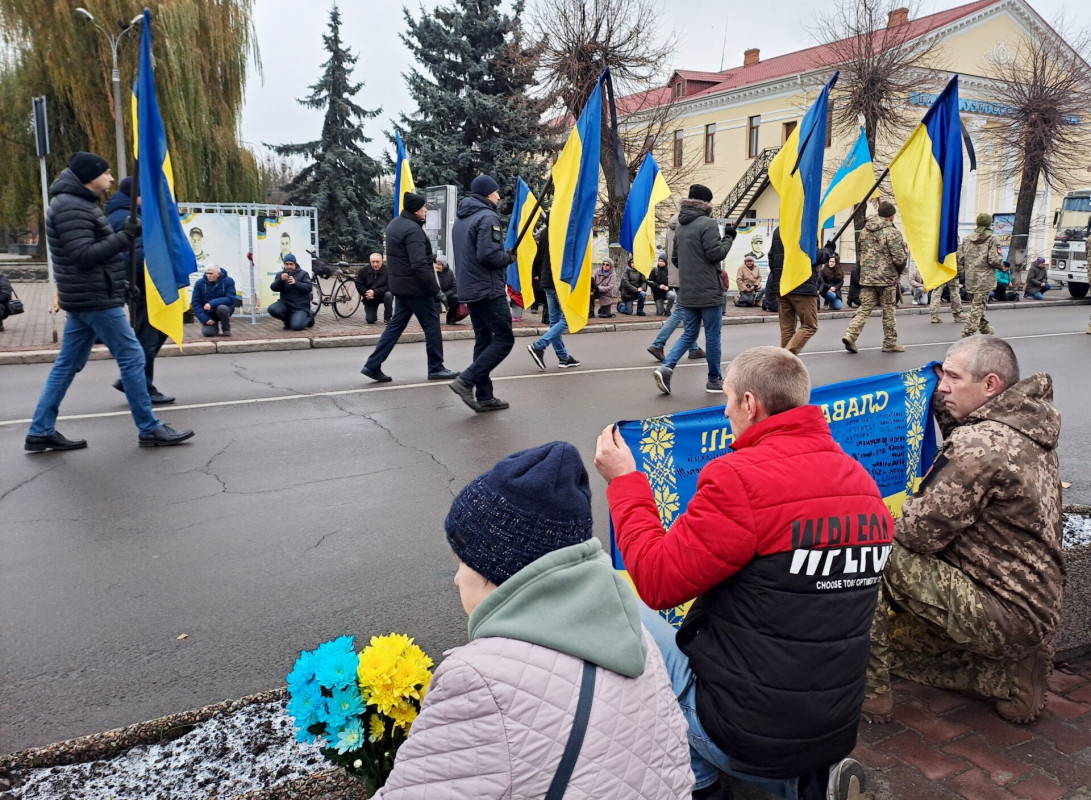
pixel 496 233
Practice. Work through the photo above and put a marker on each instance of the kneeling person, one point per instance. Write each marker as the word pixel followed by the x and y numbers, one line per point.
pixel 214 301
pixel 295 287
pixel 975 574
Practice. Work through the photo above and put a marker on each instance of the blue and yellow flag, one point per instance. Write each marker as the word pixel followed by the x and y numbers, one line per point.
pixel 403 176
pixel 525 208
pixel 796 174
pixel 927 179
pixel 638 221
pixel 575 192
pixel 168 257
pixel 851 183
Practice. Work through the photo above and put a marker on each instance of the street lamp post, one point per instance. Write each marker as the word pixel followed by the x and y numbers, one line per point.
pixel 119 124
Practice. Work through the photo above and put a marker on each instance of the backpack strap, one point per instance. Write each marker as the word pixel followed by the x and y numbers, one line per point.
pixel 575 737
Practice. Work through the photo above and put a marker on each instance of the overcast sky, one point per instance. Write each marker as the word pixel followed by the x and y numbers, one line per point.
pixel 290 39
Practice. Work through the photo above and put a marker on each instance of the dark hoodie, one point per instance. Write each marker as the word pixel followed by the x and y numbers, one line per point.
pixel 992 507
pixel 479 253
pixel 698 251
pixel 87 253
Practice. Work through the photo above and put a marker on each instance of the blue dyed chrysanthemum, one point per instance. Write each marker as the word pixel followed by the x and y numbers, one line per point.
pixel 303 671
pixel 307 705
pixel 335 663
pixel 345 704
pixel 350 737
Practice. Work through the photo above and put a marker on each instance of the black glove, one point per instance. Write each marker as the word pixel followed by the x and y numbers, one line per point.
pixel 132 293
pixel 441 298
pixel 729 230
pixel 133 227
pixel 512 256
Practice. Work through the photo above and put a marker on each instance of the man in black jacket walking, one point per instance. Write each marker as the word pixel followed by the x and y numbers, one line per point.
pixel 412 281
pixel 482 271
pixel 92 285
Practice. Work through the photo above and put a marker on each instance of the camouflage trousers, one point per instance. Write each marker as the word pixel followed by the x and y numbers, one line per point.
pixel 871 296
pixel 978 322
pixel 944 631
pixel 937 298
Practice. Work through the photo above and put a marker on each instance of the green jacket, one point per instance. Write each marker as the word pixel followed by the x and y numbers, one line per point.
pixel 571 600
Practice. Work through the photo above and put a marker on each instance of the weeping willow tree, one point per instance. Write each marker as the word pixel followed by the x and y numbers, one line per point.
pixel 202 49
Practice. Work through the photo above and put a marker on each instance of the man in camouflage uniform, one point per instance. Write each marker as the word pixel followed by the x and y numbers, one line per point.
pixel 975 571
pixel 979 258
pixel 956 301
pixel 882 256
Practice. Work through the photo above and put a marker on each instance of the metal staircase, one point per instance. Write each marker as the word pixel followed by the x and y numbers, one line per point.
pixel 750 186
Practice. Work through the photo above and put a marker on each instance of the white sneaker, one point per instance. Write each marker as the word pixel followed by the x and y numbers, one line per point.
pixel 848 781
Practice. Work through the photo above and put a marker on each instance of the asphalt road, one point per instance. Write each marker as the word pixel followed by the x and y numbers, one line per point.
pixel 311 504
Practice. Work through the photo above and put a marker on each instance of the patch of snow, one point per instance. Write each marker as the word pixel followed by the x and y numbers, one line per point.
pixel 254 748
pixel 1077 530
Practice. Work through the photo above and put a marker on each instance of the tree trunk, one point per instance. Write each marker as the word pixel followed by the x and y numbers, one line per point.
pixel 1020 234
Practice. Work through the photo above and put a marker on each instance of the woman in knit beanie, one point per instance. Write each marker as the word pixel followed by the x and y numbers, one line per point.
pixel 543 600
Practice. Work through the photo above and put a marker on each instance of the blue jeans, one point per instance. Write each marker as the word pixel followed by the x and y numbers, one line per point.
pixel 693 318
pixel 1038 295
pixel 670 324
pixel 706 759
pixel 405 308
pixel 626 306
pixel 558 327
pixel 833 301
pixel 493 340
pixel 80 331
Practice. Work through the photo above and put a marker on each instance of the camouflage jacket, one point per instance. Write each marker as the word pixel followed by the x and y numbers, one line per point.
pixel 882 253
pixel 991 506
pixel 979 258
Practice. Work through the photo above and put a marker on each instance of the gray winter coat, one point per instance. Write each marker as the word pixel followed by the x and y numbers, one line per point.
pixel 698 251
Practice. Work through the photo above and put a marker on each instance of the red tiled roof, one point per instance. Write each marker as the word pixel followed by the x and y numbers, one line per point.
pixel 810 59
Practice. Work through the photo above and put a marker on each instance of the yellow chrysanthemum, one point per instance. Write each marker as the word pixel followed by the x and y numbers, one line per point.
pixel 375 728
pixel 393 669
pixel 402 714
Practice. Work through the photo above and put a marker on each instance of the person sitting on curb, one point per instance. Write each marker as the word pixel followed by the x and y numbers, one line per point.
pixel 295 288
pixel 659 282
pixel 214 300
pixel 373 283
pixel 605 287
pixel 634 288
pixel 1037 280
pixel 916 286
pixel 770 633
pixel 549 619
pixel 447 288
pixel 975 575
pixel 748 282
pixel 831 279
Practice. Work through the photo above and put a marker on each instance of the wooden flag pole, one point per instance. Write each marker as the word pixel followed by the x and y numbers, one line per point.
pixel 853 215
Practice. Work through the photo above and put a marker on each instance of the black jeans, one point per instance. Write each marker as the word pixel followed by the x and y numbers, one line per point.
pixel 405 308
pixel 371 308
pixel 493 340
pixel 151 340
pixel 221 317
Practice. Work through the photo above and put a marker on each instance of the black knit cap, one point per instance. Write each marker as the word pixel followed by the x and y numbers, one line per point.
pixel 699 192
pixel 412 201
pixel 886 209
pixel 531 503
pixel 87 166
pixel 126 186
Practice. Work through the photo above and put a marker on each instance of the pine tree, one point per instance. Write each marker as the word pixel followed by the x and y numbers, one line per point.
pixel 340 179
pixel 475 114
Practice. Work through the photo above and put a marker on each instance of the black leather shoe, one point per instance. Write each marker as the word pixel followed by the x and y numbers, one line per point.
pixel 158 398
pixel 466 392
pixel 119 385
pixel 164 436
pixel 442 375
pixel 492 404
pixel 376 375
pixel 54 441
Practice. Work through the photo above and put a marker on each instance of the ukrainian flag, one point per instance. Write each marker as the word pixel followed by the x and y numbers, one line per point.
pixel 638 221
pixel 403 176
pixel 796 174
pixel 927 179
pixel 851 184
pixel 525 208
pixel 168 257
pixel 575 192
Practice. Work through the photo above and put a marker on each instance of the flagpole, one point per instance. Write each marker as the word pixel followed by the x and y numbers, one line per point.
pixel 537 204
pixel 134 204
pixel 853 214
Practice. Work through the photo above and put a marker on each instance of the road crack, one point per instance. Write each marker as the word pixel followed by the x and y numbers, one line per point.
pixel 32 478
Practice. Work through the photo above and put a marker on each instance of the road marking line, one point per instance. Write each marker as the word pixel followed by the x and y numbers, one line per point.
pixel 530 376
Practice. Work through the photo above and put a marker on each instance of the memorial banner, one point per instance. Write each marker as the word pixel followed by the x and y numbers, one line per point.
pixel 884 422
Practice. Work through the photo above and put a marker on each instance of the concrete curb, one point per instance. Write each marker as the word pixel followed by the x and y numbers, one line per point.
pixel 199 348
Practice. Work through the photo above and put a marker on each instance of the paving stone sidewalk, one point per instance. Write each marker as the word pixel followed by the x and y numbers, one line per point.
pixel 28 338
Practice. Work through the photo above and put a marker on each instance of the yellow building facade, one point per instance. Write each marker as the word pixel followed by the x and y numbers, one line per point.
pixel 720 123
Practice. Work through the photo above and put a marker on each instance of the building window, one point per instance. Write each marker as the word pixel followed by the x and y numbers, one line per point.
pixel 710 143
pixel 829 125
pixel 678 148
pixel 752 126
pixel 678 88
pixel 788 128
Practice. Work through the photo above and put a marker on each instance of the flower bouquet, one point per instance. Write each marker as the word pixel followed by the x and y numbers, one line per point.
pixel 360 707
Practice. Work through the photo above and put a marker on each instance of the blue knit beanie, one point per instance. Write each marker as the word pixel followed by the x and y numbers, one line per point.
pixel 484 186
pixel 289 257
pixel 531 503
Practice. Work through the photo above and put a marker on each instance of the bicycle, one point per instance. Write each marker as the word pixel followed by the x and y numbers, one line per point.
pixel 343 297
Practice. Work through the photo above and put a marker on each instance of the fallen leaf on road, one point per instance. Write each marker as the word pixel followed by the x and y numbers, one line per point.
pixel 183 636
pixel 1066 485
